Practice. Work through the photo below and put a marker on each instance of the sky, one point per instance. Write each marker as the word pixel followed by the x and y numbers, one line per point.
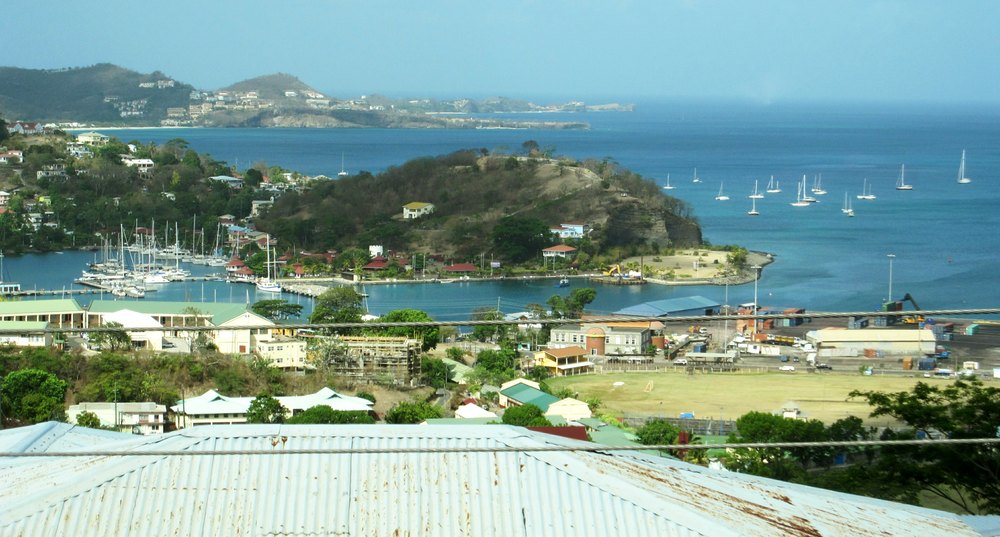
pixel 765 51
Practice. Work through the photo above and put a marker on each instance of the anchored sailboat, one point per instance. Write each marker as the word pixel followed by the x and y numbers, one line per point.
pixel 799 202
pixel 667 186
pixel 721 196
pixel 866 191
pixel 755 195
pixel 962 179
pixel 267 283
pixel 847 206
pixel 818 186
pixel 753 208
pixel 901 182
pixel 343 172
pixel 696 179
pixel 773 187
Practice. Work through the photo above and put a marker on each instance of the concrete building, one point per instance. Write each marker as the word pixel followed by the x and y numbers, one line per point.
pixel 92 138
pixel 621 339
pixel 464 485
pixel 284 352
pixel 370 358
pixel 872 342
pixel 60 313
pixel 143 418
pixel 141 339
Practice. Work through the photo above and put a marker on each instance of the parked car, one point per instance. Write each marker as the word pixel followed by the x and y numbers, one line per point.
pixel 787 368
pixel 828 367
pixel 681 361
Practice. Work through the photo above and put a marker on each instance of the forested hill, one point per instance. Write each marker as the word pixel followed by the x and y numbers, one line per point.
pixel 99 93
pixel 473 192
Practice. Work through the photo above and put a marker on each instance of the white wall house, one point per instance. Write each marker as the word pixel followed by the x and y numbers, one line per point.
pixel 283 352
pixel 141 339
pixel 137 418
pixel 416 209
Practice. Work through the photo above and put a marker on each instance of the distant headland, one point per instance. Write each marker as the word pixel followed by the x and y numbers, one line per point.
pixel 106 95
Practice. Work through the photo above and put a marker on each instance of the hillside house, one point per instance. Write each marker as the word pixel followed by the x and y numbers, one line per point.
pixel 233 182
pixel 12 156
pixel 416 209
pixel 93 138
pixel 25 127
pixel 563 251
pixel 284 352
pixel 144 165
pixel 570 230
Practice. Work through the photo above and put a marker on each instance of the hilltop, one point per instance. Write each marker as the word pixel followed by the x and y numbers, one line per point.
pixel 271 86
pixel 98 93
pixel 472 194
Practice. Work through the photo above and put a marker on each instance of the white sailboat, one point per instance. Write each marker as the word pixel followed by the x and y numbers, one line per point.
pixel 267 283
pixel 866 191
pixel 847 206
pixel 818 186
pixel 721 196
pixel 343 172
pixel 962 179
pixel 755 195
pixel 696 179
pixel 901 182
pixel 805 196
pixel 773 187
pixel 667 186
pixel 753 207
pixel 799 202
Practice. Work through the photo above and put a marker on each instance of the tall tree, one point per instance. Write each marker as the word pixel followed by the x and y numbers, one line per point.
pixel 429 335
pixel 412 412
pixel 276 309
pixel 337 305
pixel 518 239
pixel 32 396
pixel 266 409
pixel 966 476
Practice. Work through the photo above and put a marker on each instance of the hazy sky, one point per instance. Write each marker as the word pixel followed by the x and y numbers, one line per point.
pixel 762 50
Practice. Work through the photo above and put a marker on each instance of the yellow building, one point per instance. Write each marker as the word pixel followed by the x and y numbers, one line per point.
pixel 564 361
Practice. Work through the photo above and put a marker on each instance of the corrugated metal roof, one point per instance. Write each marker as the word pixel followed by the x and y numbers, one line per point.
pixel 55 436
pixel 668 306
pixel 462 493
pixel 525 394
pixel 220 312
pixel 22 307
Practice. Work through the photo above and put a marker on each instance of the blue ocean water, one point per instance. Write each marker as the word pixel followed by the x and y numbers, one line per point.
pixel 944 235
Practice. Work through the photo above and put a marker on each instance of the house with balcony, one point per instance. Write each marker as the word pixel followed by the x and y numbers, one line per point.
pixel 565 361
pixel 563 251
pixel 619 339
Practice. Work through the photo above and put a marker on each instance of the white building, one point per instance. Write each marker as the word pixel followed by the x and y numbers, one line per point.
pixel 141 339
pixel 882 341
pixel 93 138
pixel 416 209
pixel 213 408
pixel 138 418
pixel 283 352
pixel 144 165
pixel 24 334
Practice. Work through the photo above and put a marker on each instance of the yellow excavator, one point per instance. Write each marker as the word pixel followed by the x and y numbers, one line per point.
pixel 614 271
pixel 897 305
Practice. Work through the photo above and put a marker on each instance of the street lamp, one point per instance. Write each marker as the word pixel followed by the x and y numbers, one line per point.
pixel 891 257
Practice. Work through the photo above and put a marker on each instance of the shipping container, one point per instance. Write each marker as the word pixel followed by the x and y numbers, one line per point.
pixel 907 363
pixel 926 364
pixel 972 329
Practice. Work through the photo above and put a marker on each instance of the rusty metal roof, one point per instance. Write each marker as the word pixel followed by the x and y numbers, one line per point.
pixel 520 493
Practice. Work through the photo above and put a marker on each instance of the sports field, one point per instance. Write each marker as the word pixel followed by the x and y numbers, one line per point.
pixel 728 396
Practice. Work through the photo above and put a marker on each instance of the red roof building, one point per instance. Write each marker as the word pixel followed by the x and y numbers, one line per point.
pixel 559 250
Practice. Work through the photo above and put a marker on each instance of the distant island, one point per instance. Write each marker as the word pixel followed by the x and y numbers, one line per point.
pixel 109 95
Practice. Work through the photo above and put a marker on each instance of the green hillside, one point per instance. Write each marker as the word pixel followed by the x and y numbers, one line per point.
pixel 472 193
pixel 100 93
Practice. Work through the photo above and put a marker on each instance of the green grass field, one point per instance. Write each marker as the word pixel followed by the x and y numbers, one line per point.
pixel 728 396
